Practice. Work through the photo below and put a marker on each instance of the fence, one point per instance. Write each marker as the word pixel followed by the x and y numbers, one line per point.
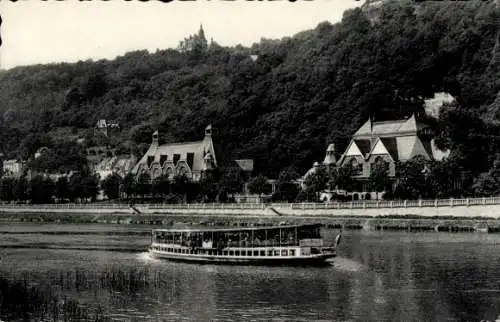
pixel 330 205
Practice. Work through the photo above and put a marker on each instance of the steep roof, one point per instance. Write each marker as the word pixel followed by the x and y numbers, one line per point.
pixel 364 146
pixel 166 152
pixel 245 164
pixel 392 147
pixel 353 149
pixel 389 128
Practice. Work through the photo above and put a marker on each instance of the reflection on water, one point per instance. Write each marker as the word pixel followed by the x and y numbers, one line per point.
pixel 377 276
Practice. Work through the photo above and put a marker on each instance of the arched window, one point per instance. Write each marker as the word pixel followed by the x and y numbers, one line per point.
pixel 156 173
pixel 182 171
pixel 170 173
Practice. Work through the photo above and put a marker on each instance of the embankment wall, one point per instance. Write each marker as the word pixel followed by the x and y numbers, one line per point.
pixel 489 209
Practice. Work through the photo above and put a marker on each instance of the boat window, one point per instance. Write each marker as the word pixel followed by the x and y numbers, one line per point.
pixel 276 252
pixel 262 253
pixel 225 253
pixel 231 253
pixel 292 252
pixel 270 252
pixel 255 253
pixel 284 252
pixel 236 253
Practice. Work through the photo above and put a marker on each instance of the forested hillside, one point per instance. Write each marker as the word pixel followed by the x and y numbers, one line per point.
pixel 286 106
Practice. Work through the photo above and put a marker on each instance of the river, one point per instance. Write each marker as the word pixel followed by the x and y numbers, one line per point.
pixel 377 276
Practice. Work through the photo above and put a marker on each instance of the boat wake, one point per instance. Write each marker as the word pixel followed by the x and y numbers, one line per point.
pixel 347 265
pixel 145 257
pixel 84 248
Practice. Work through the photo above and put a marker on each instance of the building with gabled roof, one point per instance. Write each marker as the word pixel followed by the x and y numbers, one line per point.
pixel 191 159
pixel 388 142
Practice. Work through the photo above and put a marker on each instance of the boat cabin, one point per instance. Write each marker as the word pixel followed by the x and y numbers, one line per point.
pixel 254 241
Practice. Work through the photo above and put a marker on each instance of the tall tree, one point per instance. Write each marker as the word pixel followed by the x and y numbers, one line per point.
pixel 111 186
pixel 7 189
pixel 379 176
pixel 62 190
pixel 129 185
pixel 21 189
pixel 287 187
pixel 229 184
pixel 41 190
pixel 316 182
pixel 258 185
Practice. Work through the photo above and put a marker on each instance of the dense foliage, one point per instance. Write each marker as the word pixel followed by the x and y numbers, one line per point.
pixel 286 106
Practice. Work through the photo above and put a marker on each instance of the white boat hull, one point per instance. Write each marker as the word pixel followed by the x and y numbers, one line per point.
pixel 315 259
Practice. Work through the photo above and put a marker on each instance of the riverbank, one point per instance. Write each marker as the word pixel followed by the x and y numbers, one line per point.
pixel 392 222
pixel 488 208
pixel 480 214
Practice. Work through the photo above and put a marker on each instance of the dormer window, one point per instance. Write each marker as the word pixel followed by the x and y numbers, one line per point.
pixel 190 159
pixel 163 158
pixel 150 160
pixel 176 158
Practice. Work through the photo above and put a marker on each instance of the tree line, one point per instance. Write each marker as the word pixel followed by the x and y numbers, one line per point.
pixel 280 102
pixel 43 189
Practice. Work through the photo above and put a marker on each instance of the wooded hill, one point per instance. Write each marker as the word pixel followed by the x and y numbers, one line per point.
pixel 284 107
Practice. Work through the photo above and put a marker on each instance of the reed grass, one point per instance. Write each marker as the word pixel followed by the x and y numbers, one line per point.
pixel 21 302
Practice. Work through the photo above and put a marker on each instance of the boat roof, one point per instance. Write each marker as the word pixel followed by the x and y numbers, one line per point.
pixel 226 229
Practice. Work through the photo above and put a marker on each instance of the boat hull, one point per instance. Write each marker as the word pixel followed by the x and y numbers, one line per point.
pixel 311 260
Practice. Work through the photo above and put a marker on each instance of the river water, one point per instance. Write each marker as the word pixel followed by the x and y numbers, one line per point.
pixel 378 276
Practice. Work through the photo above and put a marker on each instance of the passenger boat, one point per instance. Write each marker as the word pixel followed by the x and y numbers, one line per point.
pixel 282 245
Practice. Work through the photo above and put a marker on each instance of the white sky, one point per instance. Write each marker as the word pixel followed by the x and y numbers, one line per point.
pixel 35 31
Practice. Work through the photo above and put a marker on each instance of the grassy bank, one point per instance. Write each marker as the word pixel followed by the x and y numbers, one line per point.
pixel 387 222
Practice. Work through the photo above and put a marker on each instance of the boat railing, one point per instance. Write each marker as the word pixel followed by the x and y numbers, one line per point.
pixel 232 244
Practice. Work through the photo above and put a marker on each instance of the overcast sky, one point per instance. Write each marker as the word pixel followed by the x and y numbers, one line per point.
pixel 43 32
